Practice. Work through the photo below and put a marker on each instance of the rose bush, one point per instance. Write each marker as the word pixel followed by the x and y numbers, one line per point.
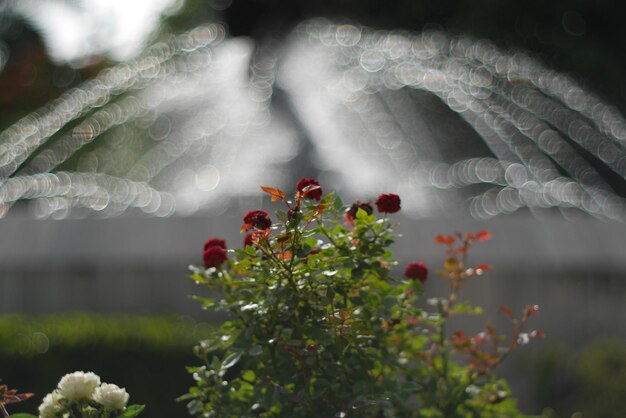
pixel 320 326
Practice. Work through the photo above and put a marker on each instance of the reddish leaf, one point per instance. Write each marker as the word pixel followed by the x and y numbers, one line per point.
pixel 478 338
pixel 483 267
pixel 482 235
pixel 384 325
pixel 319 209
pixel 285 256
pixel 536 334
pixel 276 194
pixel 8 396
pixel 445 239
pixel 506 311
pixel 345 313
pixel 261 235
pixel 531 310
pixel 411 320
pixel 459 339
pixel 17 397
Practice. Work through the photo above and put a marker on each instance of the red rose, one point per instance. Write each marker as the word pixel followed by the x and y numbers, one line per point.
pixel 214 242
pixel 351 213
pixel 417 271
pixel 313 192
pixel 258 219
pixel 214 256
pixel 388 203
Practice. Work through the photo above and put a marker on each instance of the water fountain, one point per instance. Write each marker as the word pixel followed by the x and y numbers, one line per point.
pixel 192 125
pixel 198 121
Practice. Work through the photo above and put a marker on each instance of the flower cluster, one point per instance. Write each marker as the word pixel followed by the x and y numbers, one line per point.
pixel 83 394
pixel 257 223
pixel 321 326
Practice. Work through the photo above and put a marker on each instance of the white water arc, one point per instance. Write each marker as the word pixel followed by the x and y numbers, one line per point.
pixel 197 114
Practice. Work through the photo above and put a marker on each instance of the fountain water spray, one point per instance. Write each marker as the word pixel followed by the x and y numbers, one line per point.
pixel 447 122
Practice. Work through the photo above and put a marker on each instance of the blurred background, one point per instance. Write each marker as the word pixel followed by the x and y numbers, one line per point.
pixel 130 132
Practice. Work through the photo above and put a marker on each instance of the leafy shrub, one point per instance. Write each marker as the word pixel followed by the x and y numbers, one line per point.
pixel 320 326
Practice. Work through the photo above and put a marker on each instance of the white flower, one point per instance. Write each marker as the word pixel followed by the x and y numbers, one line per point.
pixel 50 406
pixel 111 396
pixel 78 385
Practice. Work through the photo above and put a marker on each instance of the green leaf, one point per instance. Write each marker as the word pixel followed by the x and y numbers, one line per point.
pixel 131 411
pixel 311 242
pixel 390 301
pixel 466 308
pixel 286 332
pixel 281 215
pixel 270 397
pixel 339 230
pixel 411 388
pixel 23 416
pixel 207 303
pixel 198 278
pixel 337 203
pixel 249 375
pixel 327 199
pixel 194 407
pixel 230 360
pixel 361 214
pixel 256 350
pixel 211 344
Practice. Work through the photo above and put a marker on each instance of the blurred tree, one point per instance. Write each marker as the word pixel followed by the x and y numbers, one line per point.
pixel 582 37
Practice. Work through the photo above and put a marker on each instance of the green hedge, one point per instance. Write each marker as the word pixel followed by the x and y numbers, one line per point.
pixel 146 355
pixel 584 382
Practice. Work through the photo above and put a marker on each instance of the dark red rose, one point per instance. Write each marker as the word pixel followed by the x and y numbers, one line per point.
pixel 214 242
pixel 351 213
pixel 312 192
pixel 258 219
pixel 417 271
pixel 388 203
pixel 214 256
